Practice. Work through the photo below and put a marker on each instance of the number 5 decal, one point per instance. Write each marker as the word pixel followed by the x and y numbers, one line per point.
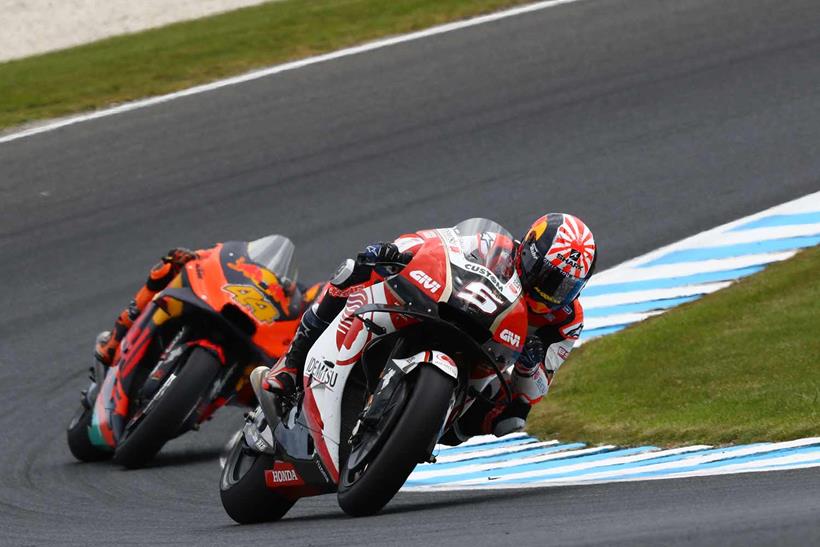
pixel 481 296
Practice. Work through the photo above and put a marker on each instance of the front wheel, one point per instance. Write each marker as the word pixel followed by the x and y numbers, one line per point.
pixel 78 440
pixel 168 410
pixel 242 489
pixel 366 491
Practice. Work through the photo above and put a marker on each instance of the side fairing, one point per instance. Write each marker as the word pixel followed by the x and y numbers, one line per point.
pixel 328 366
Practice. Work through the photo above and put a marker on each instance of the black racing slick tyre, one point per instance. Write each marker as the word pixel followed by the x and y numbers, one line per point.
pixel 242 489
pixel 78 441
pixel 367 491
pixel 169 410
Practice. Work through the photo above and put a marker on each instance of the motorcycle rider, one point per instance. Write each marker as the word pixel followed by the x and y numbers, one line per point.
pixel 554 261
pixel 169 266
pixel 108 342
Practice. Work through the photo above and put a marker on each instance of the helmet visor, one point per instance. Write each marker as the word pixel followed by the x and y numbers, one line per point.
pixel 556 288
pixel 550 285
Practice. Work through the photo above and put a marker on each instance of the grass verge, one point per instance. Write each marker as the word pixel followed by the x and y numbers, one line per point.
pixel 163 60
pixel 740 365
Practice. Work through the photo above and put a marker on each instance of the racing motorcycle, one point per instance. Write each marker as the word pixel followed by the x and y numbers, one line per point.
pixel 382 384
pixel 188 352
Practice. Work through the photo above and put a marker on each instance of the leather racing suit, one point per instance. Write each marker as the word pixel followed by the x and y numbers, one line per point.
pixel 551 337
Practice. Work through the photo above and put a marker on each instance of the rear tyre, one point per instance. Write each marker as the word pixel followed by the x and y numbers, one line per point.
pixel 171 408
pixel 242 489
pixel 78 441
pixel 367 491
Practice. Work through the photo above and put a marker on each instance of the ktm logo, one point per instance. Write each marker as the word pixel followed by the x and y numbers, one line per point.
pixel 426 281
pixel 510 337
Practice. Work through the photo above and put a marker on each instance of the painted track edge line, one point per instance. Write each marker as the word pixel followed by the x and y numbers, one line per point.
pixel 284 67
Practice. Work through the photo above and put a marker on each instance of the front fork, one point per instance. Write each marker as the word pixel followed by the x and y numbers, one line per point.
pixel 390 393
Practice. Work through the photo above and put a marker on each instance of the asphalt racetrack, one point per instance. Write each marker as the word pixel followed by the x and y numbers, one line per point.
pixel 651 120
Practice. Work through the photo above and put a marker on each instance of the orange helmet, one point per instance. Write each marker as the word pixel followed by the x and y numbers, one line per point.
pixel 555 260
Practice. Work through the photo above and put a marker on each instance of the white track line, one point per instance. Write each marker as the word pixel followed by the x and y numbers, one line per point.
pixel 276 69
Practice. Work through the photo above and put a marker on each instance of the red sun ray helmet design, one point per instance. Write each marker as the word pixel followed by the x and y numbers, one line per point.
pixel 555 260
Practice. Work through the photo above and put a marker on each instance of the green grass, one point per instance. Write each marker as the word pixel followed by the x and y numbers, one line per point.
pixel 184 54
pixel 740 365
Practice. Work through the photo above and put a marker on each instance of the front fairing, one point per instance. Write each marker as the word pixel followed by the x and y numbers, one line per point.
pixel 465 275
pixel 228 284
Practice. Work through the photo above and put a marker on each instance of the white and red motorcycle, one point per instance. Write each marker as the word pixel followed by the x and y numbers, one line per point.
pixel 395 369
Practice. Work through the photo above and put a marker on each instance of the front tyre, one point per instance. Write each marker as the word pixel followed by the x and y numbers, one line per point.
pixel 242 489
pixel 78 440
pixel 366 491
pixel 169 410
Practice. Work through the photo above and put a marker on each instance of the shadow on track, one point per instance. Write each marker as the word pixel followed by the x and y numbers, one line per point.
pixel 185 457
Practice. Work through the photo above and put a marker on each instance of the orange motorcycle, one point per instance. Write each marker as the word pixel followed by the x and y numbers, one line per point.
pixel 188 353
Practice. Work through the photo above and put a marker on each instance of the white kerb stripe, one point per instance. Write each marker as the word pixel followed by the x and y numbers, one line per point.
pixel 256 74
pixel 617 299
pixel 445 458
pixel 432 472
pixel 620 460
pixel 706 458
pixel 625 275
pixel 808 203
pixel 769 233
pixel 614 320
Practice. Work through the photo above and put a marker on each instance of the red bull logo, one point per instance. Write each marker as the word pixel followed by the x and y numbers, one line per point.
pixel 263 279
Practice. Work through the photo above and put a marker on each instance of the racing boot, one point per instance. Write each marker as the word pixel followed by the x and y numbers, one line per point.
pixel 97 370
pixel 108 342
pixel 103 354
pixel 284 377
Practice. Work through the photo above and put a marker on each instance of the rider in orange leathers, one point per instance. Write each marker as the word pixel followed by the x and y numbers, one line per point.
pixel 108 342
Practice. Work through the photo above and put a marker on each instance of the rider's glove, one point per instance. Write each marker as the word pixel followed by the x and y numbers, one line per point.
pixel 530 380
pixel 532 356
pixel 384 257
pixel 178 256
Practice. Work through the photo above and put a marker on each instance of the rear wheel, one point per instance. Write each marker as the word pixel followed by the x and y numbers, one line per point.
pixel 78 440
pixel 242 489
pixel 165 413
pixel 366 490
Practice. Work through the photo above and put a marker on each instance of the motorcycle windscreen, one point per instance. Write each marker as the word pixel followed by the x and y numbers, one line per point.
pixel 275 253
pixel 481 296
pixel 489 244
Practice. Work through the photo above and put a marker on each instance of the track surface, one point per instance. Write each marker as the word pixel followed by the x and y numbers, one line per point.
pixel 651 120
